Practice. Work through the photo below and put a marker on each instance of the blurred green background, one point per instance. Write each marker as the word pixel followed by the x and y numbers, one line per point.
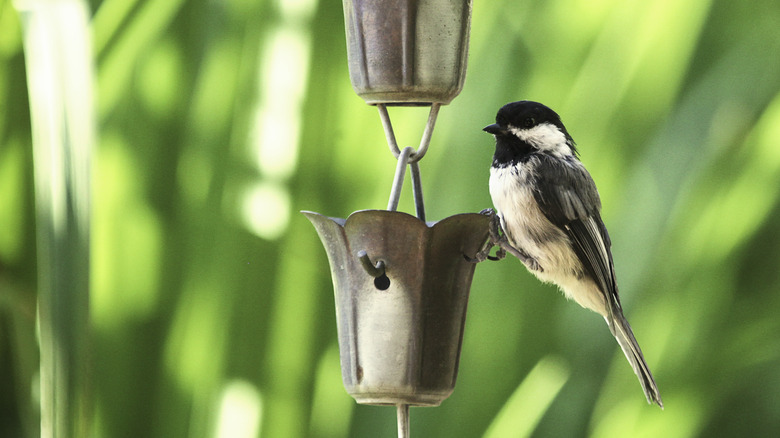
pixel 211 303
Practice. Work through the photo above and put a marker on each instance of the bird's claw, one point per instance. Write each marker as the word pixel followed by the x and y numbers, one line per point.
pixel 497 237
pixel 484 254
pixel 500 254
pixel 493 240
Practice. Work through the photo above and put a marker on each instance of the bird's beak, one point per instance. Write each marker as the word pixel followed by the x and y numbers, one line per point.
pixel 494 129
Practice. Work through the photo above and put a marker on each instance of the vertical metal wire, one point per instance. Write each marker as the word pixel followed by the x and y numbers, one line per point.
pixel 419 204
pixel 426 138
pixel 398 181
pixel 389 134
pixel 403 420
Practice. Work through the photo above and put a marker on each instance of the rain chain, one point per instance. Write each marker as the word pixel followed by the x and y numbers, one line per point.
pixel 401 284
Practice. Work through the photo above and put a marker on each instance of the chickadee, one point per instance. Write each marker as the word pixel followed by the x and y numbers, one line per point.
pixel 548 208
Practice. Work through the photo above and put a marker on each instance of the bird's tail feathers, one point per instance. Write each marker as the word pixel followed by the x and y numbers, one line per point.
pixel 625 337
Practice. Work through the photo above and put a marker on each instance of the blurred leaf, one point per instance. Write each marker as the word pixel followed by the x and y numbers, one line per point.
pixel 525 408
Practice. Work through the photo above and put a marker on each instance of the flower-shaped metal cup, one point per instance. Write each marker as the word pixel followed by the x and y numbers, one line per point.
pixel 400 333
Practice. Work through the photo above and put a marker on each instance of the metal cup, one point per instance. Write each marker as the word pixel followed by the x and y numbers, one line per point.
pixel 400 327
pixel 407 52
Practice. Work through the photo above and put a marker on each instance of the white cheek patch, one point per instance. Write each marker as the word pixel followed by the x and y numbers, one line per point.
pixel 545 137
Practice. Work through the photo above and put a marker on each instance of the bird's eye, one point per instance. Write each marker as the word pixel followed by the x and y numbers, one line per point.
pixel 529 122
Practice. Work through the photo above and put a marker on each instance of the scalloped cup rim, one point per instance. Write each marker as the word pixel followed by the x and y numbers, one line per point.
pixel 344 221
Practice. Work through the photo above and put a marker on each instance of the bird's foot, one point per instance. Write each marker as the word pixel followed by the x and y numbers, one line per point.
pixel 497 237
pixel 500 255
pixel 484 254
pixel 494 238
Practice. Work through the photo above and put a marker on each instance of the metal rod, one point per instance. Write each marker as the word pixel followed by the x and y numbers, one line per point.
pixel 403 421
pixel 417 190
pixel 373 270
pixel 426 138
pixel 398 181
pixel 389 134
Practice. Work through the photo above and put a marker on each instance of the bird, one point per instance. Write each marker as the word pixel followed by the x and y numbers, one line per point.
pixel 549 212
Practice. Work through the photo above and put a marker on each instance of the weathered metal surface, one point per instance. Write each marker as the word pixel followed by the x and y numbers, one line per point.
pixel 400 339
pixel 407 51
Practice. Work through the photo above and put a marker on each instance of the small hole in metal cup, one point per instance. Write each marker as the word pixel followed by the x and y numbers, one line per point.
pixel 382 282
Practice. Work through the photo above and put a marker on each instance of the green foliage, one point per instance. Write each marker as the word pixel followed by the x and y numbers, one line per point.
pixel 211 297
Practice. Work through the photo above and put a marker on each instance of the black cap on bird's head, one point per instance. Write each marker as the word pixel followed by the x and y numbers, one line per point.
pixel 524 114
pixel 516 117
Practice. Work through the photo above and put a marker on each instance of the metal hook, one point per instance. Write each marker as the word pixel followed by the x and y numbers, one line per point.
pixel 408 156
pixel 419 205
pixel 398 181
pixel 426 138
pixel 427 133
pixel 373 270
pixel 389 134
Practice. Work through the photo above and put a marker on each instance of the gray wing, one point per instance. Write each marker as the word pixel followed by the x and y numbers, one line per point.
pixel 567 196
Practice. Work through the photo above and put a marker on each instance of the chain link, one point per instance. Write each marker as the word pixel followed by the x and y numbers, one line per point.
pixel 408 156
